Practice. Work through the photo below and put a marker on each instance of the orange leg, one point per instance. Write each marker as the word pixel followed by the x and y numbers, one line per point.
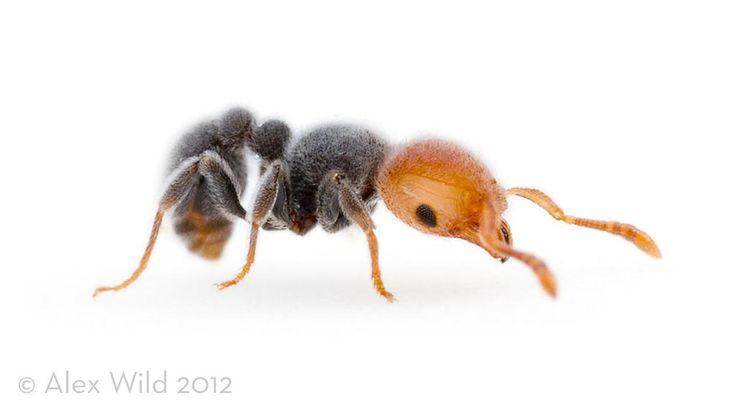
pixel 265 198
pixel 144 260
pixel 179 185
pixel 629 232
pixel 354 208
pixel 249 260
pixel 489 241
pixel 376 271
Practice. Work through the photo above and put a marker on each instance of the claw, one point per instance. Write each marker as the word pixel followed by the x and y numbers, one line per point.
pixel 226 284
pixel 100 290
pixel 389 297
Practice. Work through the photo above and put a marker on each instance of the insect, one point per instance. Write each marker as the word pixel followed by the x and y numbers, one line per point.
pixel 333 176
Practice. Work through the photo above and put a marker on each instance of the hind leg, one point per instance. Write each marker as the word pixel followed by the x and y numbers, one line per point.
pixel 179 185
pixel 629 232
pixel 223 189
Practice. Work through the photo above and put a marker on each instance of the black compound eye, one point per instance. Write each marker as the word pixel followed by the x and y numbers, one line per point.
pixel 426 215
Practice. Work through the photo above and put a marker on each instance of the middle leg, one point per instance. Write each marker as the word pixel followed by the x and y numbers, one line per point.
pixel 265 199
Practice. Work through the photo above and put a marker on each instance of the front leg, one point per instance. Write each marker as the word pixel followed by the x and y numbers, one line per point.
pixel 265 199
pixel 354 208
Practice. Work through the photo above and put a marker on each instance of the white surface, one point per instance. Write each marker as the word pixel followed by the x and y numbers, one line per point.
pixel 621 111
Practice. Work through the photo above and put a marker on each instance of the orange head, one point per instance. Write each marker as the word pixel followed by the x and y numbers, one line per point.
pixel 439 188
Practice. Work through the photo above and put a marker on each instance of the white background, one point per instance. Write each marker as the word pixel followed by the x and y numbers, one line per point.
pixel 619 110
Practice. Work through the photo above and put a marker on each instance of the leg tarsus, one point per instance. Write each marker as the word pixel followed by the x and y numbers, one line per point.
pixel 375 269
pixel 144 260
pixel 249 261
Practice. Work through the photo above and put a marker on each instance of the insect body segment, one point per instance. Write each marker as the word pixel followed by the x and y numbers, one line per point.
pixel 440 177
pixel 207 176
pixel 333 176
pixel 325 177
pixel 466 202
